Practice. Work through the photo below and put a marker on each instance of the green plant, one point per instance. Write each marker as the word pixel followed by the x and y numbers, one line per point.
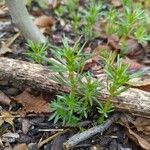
pixel 91 16
pixel 65 107
pixel 77 104
pixel 111 27
pixel 36 51
pixel 132 22
pixel 69 7
pixel 84 89
pixel 60 11
pixel 72 6
pixel 117 75
pixel 76 22
pixel 41 3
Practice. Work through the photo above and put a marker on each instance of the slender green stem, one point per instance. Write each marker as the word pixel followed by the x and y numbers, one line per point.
pixel 72 84
pixel 106 108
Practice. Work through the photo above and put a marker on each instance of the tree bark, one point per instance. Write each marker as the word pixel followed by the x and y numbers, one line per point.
pixel 37 76
pixel 21 18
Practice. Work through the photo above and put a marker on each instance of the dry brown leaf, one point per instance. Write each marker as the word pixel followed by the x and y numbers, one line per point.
pixel 25 125
pixel 116 3
pixel 44 21
pixel 1 142
pixel 4 99
pixel 3 11
pixel 132 64
pixel 21 147
pixel 113 42
pixel 32 103
pixel 54 3
pixel 1 122
pixel 5 46
pixel 134 49
pixel 142 83
pixel 8 117
pixel 10 137
pixel 4 49
pixel 139 140
pixel 142 125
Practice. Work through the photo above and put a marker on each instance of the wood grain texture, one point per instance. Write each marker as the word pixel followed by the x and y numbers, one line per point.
pixel 37 76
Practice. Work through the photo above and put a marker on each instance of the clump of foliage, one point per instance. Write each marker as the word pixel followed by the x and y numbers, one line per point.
pixel 36 51
pixel 76 105
pixel 91 17
pixel 41 3
pixel 131 22
pixel 84 18
pixel 84 90
pixel 117 74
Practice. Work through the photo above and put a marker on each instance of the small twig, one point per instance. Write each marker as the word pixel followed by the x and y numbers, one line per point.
pixel 13 39
pixel 77 138
pixel 51 138
pixel 51 130
pixel 19 116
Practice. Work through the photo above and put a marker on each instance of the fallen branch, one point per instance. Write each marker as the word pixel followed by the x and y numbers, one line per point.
pixel 79 137
pixel 23 21
pixel 37 76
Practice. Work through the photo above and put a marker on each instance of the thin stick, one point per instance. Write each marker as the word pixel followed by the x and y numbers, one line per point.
pixel 51 138
pixel 50 130
pixel 19 116
pixel 77 138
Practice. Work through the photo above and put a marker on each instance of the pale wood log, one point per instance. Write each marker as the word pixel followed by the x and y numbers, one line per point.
pixel 37 76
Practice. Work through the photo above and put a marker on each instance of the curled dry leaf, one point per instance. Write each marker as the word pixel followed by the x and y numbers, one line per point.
pixel 139 140
pixel 32 103
pixel 3 10
pixel 10 137
pixel 137 137
pixel 21 147
pixel 44 21
pixel 116 3
pixel 113 42
pixel 132 64
pixel 8 117
pixel 142 83
pixel 142 125
pixel 1 122
pixel 57 143
pixel 4 49
pixel 25 125
pixel 134 49
pixel 4 99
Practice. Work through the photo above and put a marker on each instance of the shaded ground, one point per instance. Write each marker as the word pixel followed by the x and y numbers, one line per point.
pixel 17 127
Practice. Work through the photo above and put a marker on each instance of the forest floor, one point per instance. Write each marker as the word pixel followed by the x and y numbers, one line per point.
pixel 24 121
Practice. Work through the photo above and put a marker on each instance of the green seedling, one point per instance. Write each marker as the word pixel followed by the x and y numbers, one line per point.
pixel 36 51
pixel 132 22
pixel 60 11
pixel 69 7
pixel 83 90
pixel 41 3
pixel 72 6
pixel 91 17
pixel 76 22
pixel 111 27
pixel 118 76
